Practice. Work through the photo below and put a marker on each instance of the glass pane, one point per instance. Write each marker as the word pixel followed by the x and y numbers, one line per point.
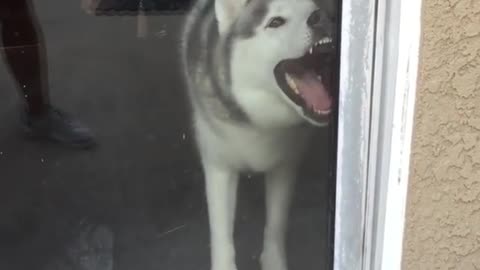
pixel 125 123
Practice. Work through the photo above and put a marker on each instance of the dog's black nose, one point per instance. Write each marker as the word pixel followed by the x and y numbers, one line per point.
pixel 319 20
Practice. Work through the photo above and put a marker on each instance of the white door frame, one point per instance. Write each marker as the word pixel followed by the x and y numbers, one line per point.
pixel 378 75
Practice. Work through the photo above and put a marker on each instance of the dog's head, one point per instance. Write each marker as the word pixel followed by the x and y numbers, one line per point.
pixel 283 46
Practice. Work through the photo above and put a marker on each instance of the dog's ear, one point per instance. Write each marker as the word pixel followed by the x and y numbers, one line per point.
pixel 227 12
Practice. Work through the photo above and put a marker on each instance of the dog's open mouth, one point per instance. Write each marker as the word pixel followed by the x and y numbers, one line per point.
pixel 307 80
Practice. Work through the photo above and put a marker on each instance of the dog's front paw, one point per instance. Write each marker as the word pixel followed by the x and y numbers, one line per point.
pixel 224 259
pixel 224 266
pixel 273 258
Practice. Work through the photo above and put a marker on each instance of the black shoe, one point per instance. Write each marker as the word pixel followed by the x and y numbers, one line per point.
pixel 57 126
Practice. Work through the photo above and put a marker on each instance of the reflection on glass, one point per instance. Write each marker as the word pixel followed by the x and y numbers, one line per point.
pixel 189 108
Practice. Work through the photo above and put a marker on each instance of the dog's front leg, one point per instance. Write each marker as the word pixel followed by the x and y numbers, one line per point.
pixel 221 185
pixel 279 185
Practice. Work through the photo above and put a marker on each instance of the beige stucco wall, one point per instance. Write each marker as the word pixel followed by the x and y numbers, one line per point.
pixel 443 212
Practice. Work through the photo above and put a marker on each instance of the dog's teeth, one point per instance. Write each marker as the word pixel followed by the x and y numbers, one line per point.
pixel 322 112
pixel 323 41
pixel 291 83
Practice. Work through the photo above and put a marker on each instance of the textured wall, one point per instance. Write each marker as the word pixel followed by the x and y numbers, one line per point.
pixel 443 216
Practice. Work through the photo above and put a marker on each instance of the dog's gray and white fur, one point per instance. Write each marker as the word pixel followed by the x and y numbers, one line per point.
pixel 242 120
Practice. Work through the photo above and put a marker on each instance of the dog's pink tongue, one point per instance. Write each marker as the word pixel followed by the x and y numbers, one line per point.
pixel 314 92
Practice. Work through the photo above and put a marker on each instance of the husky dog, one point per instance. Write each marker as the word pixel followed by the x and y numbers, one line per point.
pixel 254 71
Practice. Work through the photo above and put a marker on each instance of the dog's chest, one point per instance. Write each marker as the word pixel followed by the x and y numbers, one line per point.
pixel 257 150
pixel 265 108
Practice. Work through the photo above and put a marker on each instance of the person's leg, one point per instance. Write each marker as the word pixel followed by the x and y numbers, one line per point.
pixel 22 50
pixel 25 55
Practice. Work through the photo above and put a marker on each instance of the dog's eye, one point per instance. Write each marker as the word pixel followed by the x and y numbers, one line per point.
pixel 276 22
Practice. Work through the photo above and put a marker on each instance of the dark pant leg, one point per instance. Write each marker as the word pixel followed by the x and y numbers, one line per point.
pixel 24 52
